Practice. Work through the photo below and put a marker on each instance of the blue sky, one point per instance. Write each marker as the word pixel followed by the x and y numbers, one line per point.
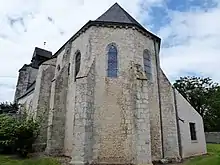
pixel 189 29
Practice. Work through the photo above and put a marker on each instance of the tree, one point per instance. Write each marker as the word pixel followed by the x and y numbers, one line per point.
pixel 204 95
pixel 6 107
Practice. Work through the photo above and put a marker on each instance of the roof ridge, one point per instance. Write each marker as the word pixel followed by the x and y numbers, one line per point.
pixel 117 14
pixel 128 15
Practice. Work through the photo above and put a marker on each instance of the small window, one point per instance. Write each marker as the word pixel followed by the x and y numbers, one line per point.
pixel 69 69
pixel 147 64
pixel 77 63
pixel 193 131
pixel 112 61
pixel 58 67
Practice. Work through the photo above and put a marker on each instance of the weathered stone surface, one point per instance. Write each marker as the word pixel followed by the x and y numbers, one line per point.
pixel 27 76
pixel 41 98
pixel 26 103
pixel 169 120
pixel 57 114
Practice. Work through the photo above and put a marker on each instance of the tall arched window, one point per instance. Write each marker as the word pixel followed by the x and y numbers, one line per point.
pixel 77 63
pixel 147 64
pixel 112 61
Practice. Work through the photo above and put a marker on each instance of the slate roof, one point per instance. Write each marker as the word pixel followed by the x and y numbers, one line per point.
pixel 117 14
pixel 43 52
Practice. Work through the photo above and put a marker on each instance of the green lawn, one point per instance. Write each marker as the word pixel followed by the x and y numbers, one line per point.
pixel 213 157
pixel 6 160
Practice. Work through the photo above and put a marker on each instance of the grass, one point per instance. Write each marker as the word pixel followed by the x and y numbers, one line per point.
pixel 7 160
pixel 213 157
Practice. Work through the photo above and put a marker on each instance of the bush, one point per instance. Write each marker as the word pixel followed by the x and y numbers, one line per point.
pixel 17 134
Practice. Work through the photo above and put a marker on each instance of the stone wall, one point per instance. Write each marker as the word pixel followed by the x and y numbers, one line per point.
pixel 141 118
pixel 187 114
pixel 32 75
pixel 212 137
pixel 169 120
pixel 57 112
pixel 27 75
pixel 83 135
pixel 72 89
pixel 115 107
pixel 26 103
pixel 41 99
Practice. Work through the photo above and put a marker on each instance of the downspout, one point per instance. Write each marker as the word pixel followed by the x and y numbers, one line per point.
pixel 158 83
pixel 178 126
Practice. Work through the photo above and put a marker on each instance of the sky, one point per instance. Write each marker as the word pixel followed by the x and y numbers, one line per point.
pixel 189 29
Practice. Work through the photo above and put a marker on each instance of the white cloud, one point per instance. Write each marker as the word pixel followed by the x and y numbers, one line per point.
pixel 194 47
pixel 24 24
pixel 192 36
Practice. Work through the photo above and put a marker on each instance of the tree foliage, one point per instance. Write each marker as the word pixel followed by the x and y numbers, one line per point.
pixel 17 134
pixel 204 95
pixel 6 107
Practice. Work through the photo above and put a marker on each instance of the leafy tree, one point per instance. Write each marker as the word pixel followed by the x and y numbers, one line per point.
pixel 204 95
pixel 18 133
pixel 6 107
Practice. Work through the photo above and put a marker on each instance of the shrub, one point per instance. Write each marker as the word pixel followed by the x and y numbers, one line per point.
pixel 17 134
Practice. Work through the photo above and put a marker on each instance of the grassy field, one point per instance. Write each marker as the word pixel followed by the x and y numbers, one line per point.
pixel 6 160
pixel 213 158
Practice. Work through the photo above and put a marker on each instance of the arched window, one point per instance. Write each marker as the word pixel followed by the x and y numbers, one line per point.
pixel 77 63
pixel 58 67
pixel 147 64
pixel 112 61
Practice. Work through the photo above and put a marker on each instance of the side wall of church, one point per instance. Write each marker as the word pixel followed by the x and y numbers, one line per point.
pixel 27 75
pixel 22 83
pixel 41 99
pixel 141 43
pixel 26 102
pixel 72 90
pixel 169 120
pixel 187 114
pixel 57 111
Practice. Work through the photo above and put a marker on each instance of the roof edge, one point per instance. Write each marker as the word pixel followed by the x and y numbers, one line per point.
pixel 97 23
pixel 27 93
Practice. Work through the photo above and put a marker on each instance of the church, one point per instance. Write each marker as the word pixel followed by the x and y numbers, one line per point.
pixel 103 98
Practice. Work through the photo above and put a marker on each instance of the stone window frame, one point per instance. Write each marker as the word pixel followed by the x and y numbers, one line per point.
pixel 77 53
pixel 193 134
pixel 113 44
pixel 147 63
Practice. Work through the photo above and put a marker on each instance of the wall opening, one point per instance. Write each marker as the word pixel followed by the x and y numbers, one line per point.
pixel 112 61
pixel 77 63
pixel 192 127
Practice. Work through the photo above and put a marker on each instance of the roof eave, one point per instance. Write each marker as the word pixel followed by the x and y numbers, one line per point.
pixel 101 23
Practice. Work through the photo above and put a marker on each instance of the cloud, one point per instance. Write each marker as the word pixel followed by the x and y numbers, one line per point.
pixel 25 24
pixel 189 31
pixel 7 87
pixel 191 42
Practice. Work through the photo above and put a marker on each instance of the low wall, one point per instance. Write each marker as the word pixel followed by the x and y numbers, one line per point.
pixel 212 137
